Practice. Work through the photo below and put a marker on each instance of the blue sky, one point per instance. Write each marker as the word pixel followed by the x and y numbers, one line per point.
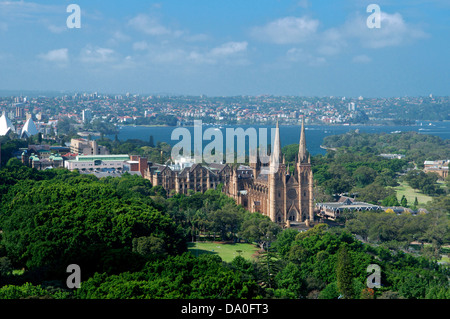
pixel 218 47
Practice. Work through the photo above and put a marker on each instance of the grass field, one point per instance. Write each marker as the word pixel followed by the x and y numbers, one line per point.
pixel 410 194
pixel 226 251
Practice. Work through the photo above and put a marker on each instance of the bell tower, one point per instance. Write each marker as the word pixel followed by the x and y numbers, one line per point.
pixel 277 183
pixel 305 179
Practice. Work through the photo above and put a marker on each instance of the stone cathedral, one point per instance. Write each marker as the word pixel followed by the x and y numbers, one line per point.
pixel 287 198
pixel 272 190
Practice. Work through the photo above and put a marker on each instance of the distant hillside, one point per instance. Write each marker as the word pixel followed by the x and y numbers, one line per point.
pixel 416 147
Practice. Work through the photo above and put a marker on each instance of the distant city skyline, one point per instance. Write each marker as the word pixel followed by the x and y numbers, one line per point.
pixel 227 48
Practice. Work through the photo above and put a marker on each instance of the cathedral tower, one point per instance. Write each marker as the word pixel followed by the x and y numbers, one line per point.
pixel 305 179
pixel 286 198
pixel 275 175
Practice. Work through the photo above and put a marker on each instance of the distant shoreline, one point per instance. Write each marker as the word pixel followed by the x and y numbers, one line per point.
pixel 274 123
pixel 146 125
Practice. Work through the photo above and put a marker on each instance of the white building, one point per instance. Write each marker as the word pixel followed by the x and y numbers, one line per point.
pixel 87 116
pixel 97 163
pixel 5 125
pixel 29 129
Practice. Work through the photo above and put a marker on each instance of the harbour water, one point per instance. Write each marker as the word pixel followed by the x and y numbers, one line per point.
pixel 289 134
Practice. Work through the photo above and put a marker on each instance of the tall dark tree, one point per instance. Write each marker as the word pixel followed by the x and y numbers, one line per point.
pixel 151 142
pixel 404 201
pixel 344 273
pixel 267 267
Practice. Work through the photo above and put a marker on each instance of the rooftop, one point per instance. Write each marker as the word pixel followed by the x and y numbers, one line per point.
pixel 123 157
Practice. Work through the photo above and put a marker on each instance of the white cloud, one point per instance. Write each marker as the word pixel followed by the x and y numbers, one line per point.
pixel 286 30
pixel 331 42
pixel 229 48
pixel 361 59
pixel 118 37
pixel 152 26
pixel 97 55
pixel 148 52
pixel 394 31
pixel 201 37
pixel 26 12
pixel 56 29
pixel 125 63
pixel 58 56
pixel 230 52
pixel 23 8
pixel 300 55
pixel 140 46
pixel 176 56
pixel 313 45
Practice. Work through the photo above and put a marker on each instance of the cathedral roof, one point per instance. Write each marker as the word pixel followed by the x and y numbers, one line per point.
pixel 217 166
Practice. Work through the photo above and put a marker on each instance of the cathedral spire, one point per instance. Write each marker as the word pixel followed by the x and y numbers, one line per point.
pixel 302 145
pixel 276 151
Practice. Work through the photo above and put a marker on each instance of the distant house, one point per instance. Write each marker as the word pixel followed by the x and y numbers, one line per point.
pixel 393 156
pixel 439 167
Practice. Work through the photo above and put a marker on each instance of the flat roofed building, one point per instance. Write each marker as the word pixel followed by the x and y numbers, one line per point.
pixel 92 163
pixel 333 210
pixel 83 146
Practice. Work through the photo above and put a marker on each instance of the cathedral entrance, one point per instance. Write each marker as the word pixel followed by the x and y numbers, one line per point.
pixel 292 216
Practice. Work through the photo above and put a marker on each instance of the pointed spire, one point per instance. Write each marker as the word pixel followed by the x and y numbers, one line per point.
pixel 302 145
pixel 276 150
pixel 277 146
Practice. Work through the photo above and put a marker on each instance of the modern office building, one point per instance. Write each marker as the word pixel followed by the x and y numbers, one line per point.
pixel 83 146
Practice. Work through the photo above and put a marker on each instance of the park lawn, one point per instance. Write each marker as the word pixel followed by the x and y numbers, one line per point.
pixel 410 194
pixel 226 251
